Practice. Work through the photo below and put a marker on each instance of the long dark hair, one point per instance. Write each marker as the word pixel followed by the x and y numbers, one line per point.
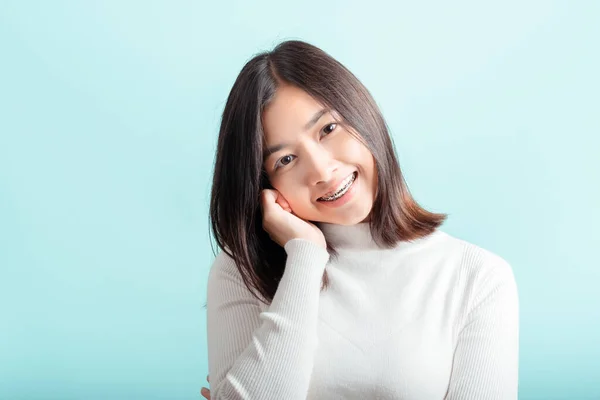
pixel 239 176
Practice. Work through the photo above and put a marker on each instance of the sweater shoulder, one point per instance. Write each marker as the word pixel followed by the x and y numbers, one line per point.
pixel 223 267
pixel 476 263
pixel 482 277
pixel 225 281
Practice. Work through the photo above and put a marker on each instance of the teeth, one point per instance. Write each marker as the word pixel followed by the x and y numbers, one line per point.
pixel 342 184
pixel 341 190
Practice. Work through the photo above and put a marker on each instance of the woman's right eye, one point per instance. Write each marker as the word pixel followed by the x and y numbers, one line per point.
pixel 280 161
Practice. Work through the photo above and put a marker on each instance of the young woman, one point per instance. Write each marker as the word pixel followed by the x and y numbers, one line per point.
pixel 332 282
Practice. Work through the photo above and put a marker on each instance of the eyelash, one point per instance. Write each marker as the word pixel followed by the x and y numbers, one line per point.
pixel 329 124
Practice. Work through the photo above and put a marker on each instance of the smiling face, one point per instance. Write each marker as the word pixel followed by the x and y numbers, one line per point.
pixel 311 153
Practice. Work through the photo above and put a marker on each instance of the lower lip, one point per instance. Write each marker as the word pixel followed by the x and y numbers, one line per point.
pixel 344 199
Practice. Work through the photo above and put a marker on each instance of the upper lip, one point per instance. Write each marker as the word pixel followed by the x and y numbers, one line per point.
pixel 335 185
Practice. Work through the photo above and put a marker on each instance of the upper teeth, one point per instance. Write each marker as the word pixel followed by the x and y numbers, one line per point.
pixel 340 187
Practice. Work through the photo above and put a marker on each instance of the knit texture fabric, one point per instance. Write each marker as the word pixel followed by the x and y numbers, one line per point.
pixel 435 318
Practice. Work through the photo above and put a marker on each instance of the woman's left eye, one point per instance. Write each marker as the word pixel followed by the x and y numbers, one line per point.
pixel 334 125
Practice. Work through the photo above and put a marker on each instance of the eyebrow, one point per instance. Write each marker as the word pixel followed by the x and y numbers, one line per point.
pixel 315 118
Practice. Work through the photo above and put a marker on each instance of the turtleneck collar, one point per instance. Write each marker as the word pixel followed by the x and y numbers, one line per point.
pixel 357 236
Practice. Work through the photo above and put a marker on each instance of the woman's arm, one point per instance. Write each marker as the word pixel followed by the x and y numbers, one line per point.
pixel 270 354
pixel 486 359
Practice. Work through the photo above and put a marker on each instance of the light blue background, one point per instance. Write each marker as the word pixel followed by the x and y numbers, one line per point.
pixel 109 119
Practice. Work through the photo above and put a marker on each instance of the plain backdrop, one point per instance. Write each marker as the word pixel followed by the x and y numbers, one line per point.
pixel 109 115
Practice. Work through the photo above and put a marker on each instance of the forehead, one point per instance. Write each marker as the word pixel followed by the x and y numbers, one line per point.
pixel 288 112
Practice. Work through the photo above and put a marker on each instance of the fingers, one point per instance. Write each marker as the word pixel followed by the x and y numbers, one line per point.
pixel 283 202
pixel 205 392
pixel 270 196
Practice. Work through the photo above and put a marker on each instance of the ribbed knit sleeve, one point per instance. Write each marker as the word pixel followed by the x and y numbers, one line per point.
pixel 269 354
pixel 486 357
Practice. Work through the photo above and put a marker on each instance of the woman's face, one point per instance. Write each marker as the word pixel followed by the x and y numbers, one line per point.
pixel 311 155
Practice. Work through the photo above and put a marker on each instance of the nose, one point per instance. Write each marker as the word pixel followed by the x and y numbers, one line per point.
pixel 320 165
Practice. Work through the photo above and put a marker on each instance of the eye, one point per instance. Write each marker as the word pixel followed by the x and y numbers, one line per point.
pixel 325 128
pixel 281 161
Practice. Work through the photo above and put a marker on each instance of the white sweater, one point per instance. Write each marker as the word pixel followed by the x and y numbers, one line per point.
pixel 436 318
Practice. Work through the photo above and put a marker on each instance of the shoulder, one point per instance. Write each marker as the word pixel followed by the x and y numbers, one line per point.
pixel 223 262
pixel 223 265
pixel 224 271
pixel 476 265
pixel 482 281
pixel 225 282
pixel 485 287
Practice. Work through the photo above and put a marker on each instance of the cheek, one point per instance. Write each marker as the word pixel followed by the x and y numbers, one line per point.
pixel 369 163
pixel 354 152
pixel 361 155
pixel 301 205
pixel 291 191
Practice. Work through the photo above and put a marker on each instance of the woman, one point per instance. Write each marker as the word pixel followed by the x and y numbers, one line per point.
pixel 332 282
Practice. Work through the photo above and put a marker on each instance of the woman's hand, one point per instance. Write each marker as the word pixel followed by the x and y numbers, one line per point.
pixel 204 391
pixel 282 225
